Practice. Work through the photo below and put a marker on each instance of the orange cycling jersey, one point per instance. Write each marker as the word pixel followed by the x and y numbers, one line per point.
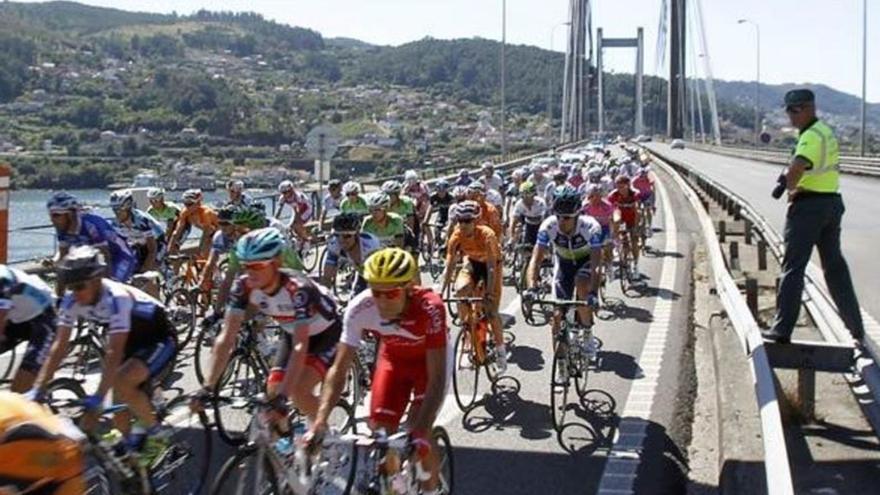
pixel 489 217
pixel 481 246
pixel 202 217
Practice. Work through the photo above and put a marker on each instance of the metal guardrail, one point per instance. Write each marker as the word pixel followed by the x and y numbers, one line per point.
pixel 776 464
pixel 856 165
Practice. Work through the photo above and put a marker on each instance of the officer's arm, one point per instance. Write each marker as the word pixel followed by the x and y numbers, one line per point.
pixel 796 169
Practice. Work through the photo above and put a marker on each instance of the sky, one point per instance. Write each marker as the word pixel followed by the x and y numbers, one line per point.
pixel 817 41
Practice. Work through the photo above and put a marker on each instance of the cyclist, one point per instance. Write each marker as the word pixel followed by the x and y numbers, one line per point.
pixel 388 227
pixel 597 207
pixel 237 196
pixel 197 215
pixel 77 228
pixel 353 201
pixel 645 185
pixel 145 234
pixel 440 201
pixel 347 243
pixel 412 365
pixel 576 241
pixel 331 201
pixel 418 192
pixel 303 309
pixel 559 178
pixel 401 205
pixel 141 346
pixel 40 453
pixel 301 206
pixel 464 178
pixel 539 177
pixel 223 241
pixel 528 213
pixel 480 250
pixel 490 178
pixel 625 200
pixel 164 211
pixel 489 215
pixel 511 192
pixel 27 312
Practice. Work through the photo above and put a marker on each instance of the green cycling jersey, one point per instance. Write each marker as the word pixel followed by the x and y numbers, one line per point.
pixel 405 207
pixel 359 205
pixel 394 227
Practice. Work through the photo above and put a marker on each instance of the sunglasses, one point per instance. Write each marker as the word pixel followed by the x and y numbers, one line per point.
pixel 348 236
pixel 390 294
pixel 188 204
pixel 466 222
pixel 257 265
pixel 57 213
pixel 78 286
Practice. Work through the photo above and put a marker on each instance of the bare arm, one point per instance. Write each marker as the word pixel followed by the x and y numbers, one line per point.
pixel 334 383
pixel 434 391
pixel 223 347
pixel 534 265
pixel 152 247
pixel 56 354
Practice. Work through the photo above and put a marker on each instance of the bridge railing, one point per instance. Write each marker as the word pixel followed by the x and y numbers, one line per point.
pixel 869 166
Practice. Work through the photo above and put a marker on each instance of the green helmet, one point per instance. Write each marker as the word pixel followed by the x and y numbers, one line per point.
pixel 249 217
pixel 527 187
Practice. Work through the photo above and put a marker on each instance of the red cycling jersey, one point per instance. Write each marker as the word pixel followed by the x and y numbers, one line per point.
pixel 627 205
pixel 401 365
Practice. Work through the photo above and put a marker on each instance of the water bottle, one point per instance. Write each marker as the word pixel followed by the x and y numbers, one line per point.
pixel 284 446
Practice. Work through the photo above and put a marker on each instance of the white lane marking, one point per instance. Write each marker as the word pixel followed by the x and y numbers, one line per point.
pixel 621 469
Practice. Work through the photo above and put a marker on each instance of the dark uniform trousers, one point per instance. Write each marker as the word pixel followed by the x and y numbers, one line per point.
pixel 814 220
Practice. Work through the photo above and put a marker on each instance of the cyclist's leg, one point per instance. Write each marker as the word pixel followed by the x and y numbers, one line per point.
pixel 429 459
pixel 563 288
pixel 632 230
pixel 303 393
pixel 41 334
pixel 464 287
pixel 139 369
pixel 582 290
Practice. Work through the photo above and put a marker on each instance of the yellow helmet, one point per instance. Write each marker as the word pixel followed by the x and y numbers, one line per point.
pixel 390 266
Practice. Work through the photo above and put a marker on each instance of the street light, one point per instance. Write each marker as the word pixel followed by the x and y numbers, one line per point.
pixel 864 74
pixel 503 81
pixel 758 70
pixel 550 77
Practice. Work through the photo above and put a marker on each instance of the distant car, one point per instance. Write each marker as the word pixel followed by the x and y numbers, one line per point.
pixel 677 144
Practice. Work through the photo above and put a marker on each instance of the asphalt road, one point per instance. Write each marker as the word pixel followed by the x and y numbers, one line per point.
pixel 754 181
pixel 638 410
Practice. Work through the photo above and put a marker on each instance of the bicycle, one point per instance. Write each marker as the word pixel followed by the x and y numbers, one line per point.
pixel 574 352
pixel 181 469
pixel 436 259
pixel 269 465
pixel 623 255
pixel 308 250
pixel 473 349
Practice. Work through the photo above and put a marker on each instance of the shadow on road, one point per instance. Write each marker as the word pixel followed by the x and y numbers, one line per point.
pixel 617 309
pixel 623 365
pixel 504 410
pixel 527 358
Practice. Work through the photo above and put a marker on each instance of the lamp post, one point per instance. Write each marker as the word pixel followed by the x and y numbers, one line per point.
pixel 758 71
pixel 864 74
pixel 503 81
pixel 550 78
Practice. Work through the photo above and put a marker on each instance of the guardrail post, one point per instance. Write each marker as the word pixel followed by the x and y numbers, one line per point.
pixel 722 231
pixel 734 256
pixel 762 254
pixel 752 296
pixel 807 394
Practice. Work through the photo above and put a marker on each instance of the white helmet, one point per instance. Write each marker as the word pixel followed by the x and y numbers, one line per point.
pixel 285 187
pixel 235 185
pixel 191 196
pixel 155 193
pixel 411 177
pixel 351 187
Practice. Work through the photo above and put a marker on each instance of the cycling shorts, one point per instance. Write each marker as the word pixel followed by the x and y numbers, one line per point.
pixel 530 233
pixel 473 272
pixel 319 358
pixel 39 332
pixel 393 385
pixel 565 274
pixel 606 235
pixel 122 270
pixel 157 357
pixel 647 198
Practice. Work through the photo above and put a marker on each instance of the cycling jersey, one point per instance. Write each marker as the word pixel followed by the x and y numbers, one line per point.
pixel 419 193
pixel 441 205
pixel 494 182
pixel 357 205
pixel 243 200
pixel 603 211
pixel 550 192
pixel 627 206
pixel 576 180
pixel 93 230
pixel 23 296
pixel 494 198
pixel 394 227
pixel 168 213
pixel 489 217
pixel 298 302
pixel 401 370
pixel 222 244
pixel 645 185
pixel 576 246
pixel 404 207
pixel 202 217
pixel 331 205
pixel 462 181
pixel 299 203
pixel 124 309
pixel 481 246
pixel 368 242
pixel 531 214
pixel 140 227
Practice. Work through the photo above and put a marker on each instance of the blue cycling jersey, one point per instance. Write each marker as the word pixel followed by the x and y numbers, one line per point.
pixel 369 244
pixel 22 295
pixel 221 244
pixel 576 246
pixel 141 227
pixel 93 230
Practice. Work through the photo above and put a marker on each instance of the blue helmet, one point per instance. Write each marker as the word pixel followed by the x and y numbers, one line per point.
pixel 261 244
pixel 566 200
pixel 62 201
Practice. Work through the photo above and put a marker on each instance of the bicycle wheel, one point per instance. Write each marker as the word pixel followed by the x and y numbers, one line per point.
pixel 181 313
pixel 97 481
pixel 183 468
pixel 202 348
pixel 581 366
pixel 560 381
pixel 248 472
pixel 242 379
pixel 10 364
pixel 426 247
pixel 62 394
pixel 465 372
pixel 445 459
pixel 310 256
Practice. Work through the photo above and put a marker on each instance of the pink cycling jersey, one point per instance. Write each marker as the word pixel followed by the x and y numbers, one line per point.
pixel 601 211
pixel 644 184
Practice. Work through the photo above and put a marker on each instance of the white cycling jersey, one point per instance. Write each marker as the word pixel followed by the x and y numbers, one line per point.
pixel 22 295
pixel 533 214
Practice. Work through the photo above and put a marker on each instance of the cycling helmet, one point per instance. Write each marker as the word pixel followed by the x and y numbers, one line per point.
pixel 487 167
pixel 285 187
pixel 334 183
pixel 594 173
pixel 390 266
pixel 62 202
pixel 392 187
pixel 346 223
pixel 235 185
pixel 191 196
pixel 622 179
pixel 613 171
pixel 261 244
pixel 477 187
pixel 560 175
pixel 459 192
pixel 351 187
pixel 379 201
pixel 518 173
pixel 226 213
pixel 467 210
pixel 121 200
pixel 644 170
pixel 156 193
pixel 464 173
pixel 411 177
pixel 441 185
pixel 566 201
pixel 528 188
pixel 249 217
pixel 81 263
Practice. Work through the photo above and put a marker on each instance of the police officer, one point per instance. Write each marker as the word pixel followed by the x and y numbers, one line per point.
pixel 813 219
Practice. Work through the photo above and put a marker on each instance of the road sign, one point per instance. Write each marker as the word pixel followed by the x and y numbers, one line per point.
pixel 765 137
pixel 322 142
